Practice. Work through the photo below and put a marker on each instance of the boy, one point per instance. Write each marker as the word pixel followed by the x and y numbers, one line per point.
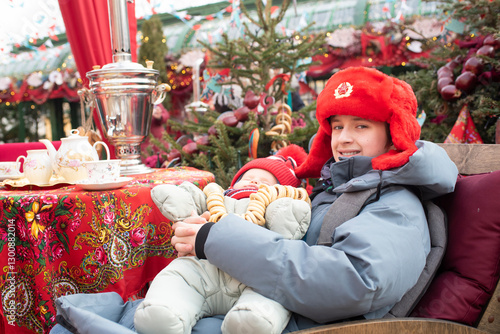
pixel 367 139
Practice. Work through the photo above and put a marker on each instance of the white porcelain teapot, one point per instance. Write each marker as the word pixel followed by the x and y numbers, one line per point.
pixel 74 151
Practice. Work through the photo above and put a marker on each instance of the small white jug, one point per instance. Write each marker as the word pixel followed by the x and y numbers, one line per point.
pixel 37 166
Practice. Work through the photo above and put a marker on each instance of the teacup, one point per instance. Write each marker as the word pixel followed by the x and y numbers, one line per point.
pixel 10 168
pixel 102 171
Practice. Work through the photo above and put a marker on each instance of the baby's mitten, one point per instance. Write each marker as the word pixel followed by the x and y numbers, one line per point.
pixel 288 217
pixel 178 202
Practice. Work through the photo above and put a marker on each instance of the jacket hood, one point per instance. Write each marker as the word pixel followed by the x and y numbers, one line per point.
pixel 429 169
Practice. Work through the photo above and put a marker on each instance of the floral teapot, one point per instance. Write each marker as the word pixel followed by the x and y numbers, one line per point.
pixel 74 151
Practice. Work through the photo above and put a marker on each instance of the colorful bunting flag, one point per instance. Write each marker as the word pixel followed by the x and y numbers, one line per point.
pixel 464 131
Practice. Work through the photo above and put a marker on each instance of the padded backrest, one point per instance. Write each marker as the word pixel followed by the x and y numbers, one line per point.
pixel 470 269
pixel 437 229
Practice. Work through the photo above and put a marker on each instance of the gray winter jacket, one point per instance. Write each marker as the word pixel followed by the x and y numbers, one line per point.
pixel 375 258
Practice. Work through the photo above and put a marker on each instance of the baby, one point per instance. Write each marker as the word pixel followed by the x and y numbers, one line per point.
pixel 188 289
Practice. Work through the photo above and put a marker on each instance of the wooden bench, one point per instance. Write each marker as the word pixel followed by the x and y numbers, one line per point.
pixel 470 160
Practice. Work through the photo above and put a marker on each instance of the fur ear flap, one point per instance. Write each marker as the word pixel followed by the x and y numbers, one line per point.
pixel 320 152
pixel 405 129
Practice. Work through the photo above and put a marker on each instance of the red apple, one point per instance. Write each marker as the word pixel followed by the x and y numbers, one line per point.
pixel 450 92
pixel 242 113
pixel 445 71
pixel 445 81
pixel 486 50
pixel 212 131
pixel 174 154
pixel 453 64
pixel 466 81
pixel 203 140
pixel 190 148
pixel 230 121
pixel 474 65
pixel 491 40
pixel 251 100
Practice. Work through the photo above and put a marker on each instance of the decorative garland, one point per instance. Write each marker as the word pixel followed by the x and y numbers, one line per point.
pixel 282 128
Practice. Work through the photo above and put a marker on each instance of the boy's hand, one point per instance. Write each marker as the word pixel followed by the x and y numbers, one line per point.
pixel 185 233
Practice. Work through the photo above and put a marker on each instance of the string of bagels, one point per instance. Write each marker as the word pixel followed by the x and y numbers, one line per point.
pixel 283 126
pixel 258 201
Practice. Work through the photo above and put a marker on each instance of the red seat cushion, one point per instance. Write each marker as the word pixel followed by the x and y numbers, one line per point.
pixel 471 266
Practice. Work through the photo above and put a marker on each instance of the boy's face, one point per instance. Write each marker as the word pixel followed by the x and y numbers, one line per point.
pixel 255 177
pixel 353 135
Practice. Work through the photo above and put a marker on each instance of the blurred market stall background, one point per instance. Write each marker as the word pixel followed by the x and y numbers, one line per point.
pixel 39 80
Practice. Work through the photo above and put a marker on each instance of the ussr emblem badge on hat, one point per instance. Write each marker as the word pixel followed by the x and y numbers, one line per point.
pixel 343 90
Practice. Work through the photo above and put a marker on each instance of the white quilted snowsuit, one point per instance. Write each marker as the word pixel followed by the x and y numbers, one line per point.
pixel 189 289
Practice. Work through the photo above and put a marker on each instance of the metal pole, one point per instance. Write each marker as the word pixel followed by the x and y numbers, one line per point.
pixel 120 35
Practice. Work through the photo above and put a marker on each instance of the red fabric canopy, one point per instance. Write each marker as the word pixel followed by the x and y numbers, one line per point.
pixel 88 32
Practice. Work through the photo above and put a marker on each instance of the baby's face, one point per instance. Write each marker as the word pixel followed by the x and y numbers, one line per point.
pixel 254 177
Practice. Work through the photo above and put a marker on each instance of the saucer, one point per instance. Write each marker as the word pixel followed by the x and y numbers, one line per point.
pixel 22 183
pixel 10 177
pixel 88 185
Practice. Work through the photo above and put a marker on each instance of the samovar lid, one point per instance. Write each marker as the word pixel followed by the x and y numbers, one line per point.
pixel 123 65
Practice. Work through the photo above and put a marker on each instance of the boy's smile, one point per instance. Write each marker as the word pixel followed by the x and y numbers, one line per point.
pixel 348 153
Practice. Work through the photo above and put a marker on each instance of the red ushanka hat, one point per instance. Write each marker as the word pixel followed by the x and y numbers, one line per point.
pixel 370 94
pixel 282 165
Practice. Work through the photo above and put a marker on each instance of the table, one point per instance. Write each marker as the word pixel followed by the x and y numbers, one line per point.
pixel 67 240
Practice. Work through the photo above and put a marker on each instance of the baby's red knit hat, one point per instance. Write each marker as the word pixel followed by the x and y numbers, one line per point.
pixel 370 94
pixel 282 165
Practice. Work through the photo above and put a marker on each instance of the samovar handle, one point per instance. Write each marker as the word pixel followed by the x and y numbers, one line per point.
pixel 87 98
pixel 161 89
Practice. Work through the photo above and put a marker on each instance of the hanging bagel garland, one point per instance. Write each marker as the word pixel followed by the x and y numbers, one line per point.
pixel 282 127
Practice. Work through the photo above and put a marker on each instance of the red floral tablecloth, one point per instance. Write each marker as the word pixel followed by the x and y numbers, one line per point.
pixel 68 240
